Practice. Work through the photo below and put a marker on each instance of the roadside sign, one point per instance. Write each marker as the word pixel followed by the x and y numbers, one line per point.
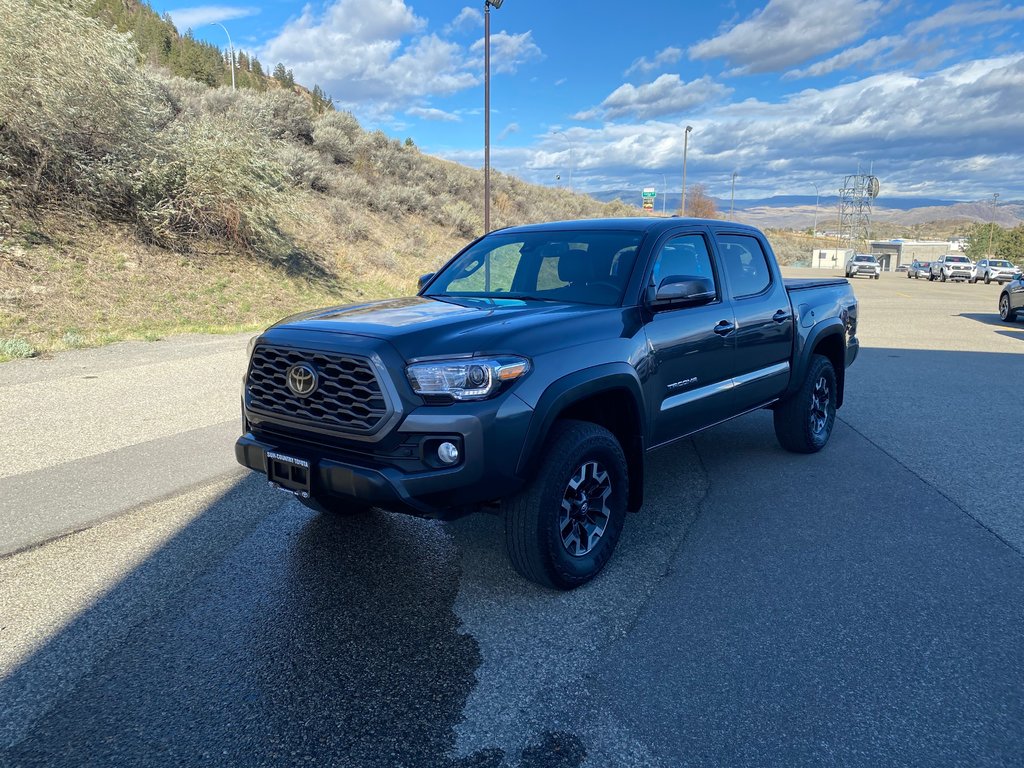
pixel 648 194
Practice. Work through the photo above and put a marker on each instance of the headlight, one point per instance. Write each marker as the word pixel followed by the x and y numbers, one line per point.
pixel 474 378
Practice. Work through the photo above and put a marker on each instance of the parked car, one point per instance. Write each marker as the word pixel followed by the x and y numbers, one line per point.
pixel 863 264
pixel 1011 299
pixel 535 372
pixel 999 270
pixel 919 269
pixel 902 268
pixel 951 267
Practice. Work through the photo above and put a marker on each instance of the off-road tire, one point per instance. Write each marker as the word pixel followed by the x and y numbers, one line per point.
pixel 796 417
pixel 533 537
pixel 1006 314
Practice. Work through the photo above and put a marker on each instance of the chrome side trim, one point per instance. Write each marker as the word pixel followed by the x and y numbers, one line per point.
pixel 764 373
pixel 685 398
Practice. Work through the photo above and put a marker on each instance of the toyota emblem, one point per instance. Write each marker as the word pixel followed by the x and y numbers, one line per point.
pixel 301 379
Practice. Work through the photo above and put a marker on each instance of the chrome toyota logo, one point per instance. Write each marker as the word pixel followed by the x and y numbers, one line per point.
pixel 301 379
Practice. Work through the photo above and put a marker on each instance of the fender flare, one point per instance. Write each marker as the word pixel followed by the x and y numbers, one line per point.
pixel 823 330
pixel 577 386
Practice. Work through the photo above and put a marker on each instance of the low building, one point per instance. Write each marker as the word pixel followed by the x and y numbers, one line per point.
pixel 894 253
pixel 830 258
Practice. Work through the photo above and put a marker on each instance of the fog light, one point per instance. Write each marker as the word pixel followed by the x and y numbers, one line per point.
pixel 448 453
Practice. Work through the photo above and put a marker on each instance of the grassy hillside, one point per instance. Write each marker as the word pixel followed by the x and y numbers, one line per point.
pixel 136 203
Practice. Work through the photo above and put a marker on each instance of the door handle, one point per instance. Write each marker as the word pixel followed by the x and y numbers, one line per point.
pixel 780 316
pixel 724 328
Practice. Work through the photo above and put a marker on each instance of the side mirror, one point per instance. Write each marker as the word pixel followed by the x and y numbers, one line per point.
pixel 679 290
pixel 424 279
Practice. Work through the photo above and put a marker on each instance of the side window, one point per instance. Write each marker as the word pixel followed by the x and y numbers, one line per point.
pixel 745 262
pixel 684 256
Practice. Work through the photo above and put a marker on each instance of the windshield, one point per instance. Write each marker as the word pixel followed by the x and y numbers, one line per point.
pixel 957 259
pixel 863 258
pixel 996 263
pixel 580 267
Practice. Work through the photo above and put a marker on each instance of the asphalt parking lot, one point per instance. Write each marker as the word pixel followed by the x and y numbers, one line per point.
pixel 862 606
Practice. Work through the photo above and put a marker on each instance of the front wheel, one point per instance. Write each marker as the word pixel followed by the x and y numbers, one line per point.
pixel 1006 314
pixel 942 276
pixel 988 279
pixel 877 276
pixel 562 529
pixel 804 421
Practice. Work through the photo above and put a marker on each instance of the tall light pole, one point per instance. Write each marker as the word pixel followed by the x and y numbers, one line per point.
pixel 664 194
pixel 686 144
pixel 231 50
pixel 992 226
pixel 572 160
pixel 732 199
pixel 814 228
pixel 488 4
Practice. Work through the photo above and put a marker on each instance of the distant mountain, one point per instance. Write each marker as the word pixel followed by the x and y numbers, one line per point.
pixel 798 210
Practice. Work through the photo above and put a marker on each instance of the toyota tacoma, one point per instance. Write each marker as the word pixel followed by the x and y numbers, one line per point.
pixel 533 373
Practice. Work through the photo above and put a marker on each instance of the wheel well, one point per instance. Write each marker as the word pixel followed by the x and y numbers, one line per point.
pixel 616 410
pixel 832 347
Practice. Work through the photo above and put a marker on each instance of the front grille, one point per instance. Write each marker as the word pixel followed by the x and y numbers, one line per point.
pixel 348 396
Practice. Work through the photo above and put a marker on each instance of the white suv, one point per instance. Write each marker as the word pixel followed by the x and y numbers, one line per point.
pixel 951 267
pixel 863 264
pixel 999 270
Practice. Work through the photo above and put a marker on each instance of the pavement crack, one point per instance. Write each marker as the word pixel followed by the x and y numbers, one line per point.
pixel 936 488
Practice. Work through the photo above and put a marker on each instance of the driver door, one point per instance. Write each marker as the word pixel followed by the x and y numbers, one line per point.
pixel 692 347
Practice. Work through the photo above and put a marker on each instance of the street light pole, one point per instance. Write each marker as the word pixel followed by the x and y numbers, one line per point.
pixel 992 226
pixel 488 4
pixel 686 144
pixel 732 200
pixel 231 50
pixel 814 229
pixel 664 194
pixel 572 160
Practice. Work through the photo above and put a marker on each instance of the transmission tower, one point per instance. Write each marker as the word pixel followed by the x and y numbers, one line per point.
pixel 855 198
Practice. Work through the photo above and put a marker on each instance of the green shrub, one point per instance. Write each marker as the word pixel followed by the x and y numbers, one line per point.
pixel 333 142
pixel 13 349
pixel 303 168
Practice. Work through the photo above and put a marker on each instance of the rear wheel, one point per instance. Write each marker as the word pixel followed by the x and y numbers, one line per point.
pixel 563 527
pixel 804 421
pixel 1005 313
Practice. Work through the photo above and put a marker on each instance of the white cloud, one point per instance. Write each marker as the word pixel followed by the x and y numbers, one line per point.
pixel 643 65
pixel 911 126
pixel 202 15
pixel 789 32
pixel 509 52
pixel 468 18
pixel 665 96
pixel 962 15
pixel 868 51
pixel 430 113
pixel 508 131
pixel 371 54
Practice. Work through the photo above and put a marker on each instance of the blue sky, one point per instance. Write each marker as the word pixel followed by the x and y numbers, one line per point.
pixel 785 93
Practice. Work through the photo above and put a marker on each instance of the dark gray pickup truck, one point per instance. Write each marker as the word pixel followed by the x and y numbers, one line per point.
pixel 534 372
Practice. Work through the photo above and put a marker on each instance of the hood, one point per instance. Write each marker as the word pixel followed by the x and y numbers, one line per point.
pixel 424 326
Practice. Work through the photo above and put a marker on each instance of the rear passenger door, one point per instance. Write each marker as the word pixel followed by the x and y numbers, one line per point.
pixel 764 318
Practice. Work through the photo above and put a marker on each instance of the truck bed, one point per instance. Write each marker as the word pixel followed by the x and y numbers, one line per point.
pixel 802 283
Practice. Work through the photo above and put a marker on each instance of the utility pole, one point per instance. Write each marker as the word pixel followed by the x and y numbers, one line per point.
pixel 732 198
pixel 488 4
pixel 686 144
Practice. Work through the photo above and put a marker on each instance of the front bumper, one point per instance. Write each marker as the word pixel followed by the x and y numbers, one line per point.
pixel 490 435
